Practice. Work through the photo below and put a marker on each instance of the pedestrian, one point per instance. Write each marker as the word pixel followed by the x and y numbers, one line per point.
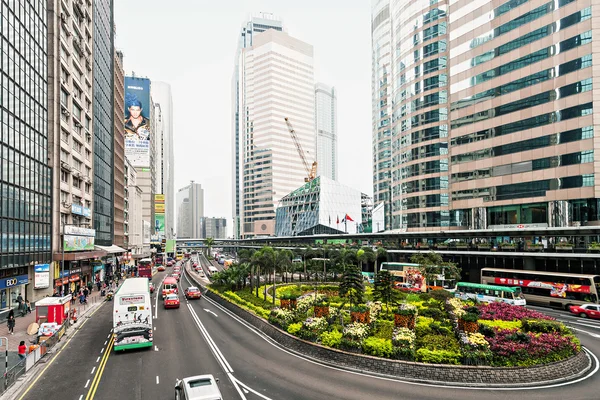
pixel 22 350
pixel 99 284
pixel 11 321
pixel 28 304
pixel 86 292
pixel 81 298
pixel 21 303
pixel 90 286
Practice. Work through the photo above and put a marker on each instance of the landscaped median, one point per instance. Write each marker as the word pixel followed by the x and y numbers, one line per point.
pixel 421 337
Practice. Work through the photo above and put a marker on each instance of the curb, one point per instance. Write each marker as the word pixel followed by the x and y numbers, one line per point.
pixel 573 377
pixel 23 382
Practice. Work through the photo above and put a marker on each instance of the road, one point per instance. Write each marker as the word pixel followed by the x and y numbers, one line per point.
pixel 202 337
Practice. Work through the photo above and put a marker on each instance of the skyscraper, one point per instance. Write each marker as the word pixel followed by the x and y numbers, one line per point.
pixel 381 87
pixel 190 209
pixel 251 28
pixel 25 178
pixel 120 206
pixel 275 81
pixel 165 170
pixel 103 107
pixel 493 115
pixel 326 130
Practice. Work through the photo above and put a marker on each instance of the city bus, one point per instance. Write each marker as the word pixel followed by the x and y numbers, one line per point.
pixel 489 293
pixel 550 289
pixel 132 315
pixel 411 273
pixel 145 268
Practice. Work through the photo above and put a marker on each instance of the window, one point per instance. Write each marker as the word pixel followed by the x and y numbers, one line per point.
pixel 76 112
pixel 64 98
pixel 64 197
pixel 77 146
pixel 64 136
pixel 88 187
pixel 77 183
pixel 78 164
pixel 64 156
pixel 64 176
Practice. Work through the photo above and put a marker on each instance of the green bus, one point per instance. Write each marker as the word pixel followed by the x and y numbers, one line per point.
pixel 489 293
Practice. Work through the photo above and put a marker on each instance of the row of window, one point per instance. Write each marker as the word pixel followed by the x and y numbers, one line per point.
pixel 533 79
pixel 525 124
pixel 524 40
pixel 430 200
pixel 525 103
pixel 428 219
pixel 23 204
pixel 572 135
pixel 424 185
pixel 424 168
pixel 525 189
pixel 531 58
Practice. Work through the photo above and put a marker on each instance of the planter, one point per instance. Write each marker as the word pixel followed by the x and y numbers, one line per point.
pixel 289 304
pixel 441 246
pixel 358 316
pixel 484 247
pixel 533 248
pixel 404 321
pixel 321 311
pixel 469 327
pixel 461 325
pixel 564 248
pixel 462 246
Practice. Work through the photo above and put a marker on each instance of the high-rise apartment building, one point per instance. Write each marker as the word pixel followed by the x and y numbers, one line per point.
pixel 326 131
pixel 381 86
pixel 165 169
pixel 119 145
pixel 190 209
pixel 215 228
pixel 275 81
pixel 493 124
pixel 25 176
pixel 103 114
pixel 133 210
pixel 250 29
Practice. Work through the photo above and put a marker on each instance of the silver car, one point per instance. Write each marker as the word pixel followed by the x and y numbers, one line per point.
pixel 200 387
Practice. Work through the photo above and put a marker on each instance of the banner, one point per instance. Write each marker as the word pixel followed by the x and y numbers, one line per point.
pixel 159 224
pixel 41 276
pixel 556 289
pixel 78 243
pixel 137 121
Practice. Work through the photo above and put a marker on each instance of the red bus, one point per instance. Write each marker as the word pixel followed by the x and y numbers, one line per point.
pixel 145 268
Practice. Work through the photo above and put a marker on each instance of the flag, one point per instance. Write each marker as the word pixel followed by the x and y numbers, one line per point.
pixel 343 220
pixel 347 218
pixel 330 220
pixel 338 219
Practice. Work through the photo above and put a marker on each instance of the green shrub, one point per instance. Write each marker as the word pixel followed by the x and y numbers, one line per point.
pixel 384 329
pixel 331 339
pixel 441 295
pixel 469 317
pixel 499 324
pixel 438 356
pixel 439 342
pixel 378 347
pixel 294 328
pixel 404 353
pixel 308 335
pixel 350 345
pixel 425 296
pixel 434 313
pixel 543 326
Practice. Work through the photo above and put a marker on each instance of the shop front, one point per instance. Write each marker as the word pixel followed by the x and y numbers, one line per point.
pixel 10 288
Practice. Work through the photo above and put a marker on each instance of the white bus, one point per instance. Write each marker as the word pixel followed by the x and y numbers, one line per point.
pixel 132 315
pixel 489 293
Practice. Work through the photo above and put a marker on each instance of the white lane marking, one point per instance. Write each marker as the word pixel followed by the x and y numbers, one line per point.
pixel 156 300
pixel 157 379
pixel 102 351
pixel 155 348
pixel 80 397
pixel 98 359
pixel 218 355
pixel 154 328
pixel 584 331
pixel 105 342
pixel 277 345
pixel 247 388
pixel 108 337
pixel 93 369
pixel 87 383
pixel 209 311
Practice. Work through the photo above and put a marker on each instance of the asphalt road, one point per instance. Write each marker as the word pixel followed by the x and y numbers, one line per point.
pixel 201 337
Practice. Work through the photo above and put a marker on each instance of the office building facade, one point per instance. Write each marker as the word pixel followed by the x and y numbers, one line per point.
pixel 165 156
pixel 215 228
pixel 25 177
pixel 275 82
pixel 493 123
pixel 119 156
pixel 103 114
pixel 190 209
pixel 250 29
pixel 326 130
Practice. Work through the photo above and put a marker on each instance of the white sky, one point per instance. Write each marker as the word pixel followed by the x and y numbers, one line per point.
pixel 191 44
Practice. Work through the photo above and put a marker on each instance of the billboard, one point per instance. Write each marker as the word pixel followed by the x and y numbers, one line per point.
pixel 42 276
pixel 137 121
pixel 159 224
pixel 78 243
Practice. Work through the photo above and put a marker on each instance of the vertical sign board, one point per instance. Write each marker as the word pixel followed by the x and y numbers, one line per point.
pixel 159 215
pixel 42 276
pixel 137 121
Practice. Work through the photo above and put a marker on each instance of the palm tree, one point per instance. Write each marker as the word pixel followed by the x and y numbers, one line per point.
pixel 365 254
pixel 307 254
pixel 352 286
pixel 432 265
pixel 209 243
pixel 380 254
pixel 284 262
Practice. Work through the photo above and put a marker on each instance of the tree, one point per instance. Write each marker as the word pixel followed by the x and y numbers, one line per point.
pixel 283 261
pixel 380 254
pixel 366 254
pixel 352 286
pixel 384 290
pixel 432 264
pixel 209 243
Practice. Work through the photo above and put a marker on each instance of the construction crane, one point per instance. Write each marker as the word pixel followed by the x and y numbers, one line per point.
pixel 311 172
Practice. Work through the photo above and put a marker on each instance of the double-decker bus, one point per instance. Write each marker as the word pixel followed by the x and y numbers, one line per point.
pixel 551 289
pixel 411 273
pixel 132 315
pixel 489 293
pixel 145 268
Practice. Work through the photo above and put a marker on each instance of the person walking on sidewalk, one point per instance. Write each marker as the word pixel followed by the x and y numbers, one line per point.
pixel 21 303
pixel 11 321
pixel 22 350
pixel 90 286
pixel 28 306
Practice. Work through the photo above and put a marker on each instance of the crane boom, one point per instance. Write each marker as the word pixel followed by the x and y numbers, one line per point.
pixel 310 172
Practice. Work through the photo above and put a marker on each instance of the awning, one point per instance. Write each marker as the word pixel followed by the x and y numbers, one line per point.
pixel 78 255
pixel 111 249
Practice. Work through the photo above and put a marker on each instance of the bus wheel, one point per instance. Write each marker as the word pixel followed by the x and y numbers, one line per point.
pixel 583 315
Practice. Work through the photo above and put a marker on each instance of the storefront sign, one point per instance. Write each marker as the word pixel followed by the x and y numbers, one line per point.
pixel 78 231
pixel 77 243
pixel 14 281
pixel 42 276
pixel 74 278
pixel 78 209
pixel 58 282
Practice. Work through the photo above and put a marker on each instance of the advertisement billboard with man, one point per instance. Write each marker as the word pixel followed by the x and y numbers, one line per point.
pixel 137 121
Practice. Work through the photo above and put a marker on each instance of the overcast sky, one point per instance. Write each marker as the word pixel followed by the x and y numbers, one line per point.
pixel 191 44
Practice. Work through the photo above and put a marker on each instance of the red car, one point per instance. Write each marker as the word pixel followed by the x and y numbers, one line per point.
pixel 195 264
pixel 192 293
pixel 176 276
pixel 406 287
pixel 171 301
pixel 151 287
pixel 160 268
pixel 586 310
